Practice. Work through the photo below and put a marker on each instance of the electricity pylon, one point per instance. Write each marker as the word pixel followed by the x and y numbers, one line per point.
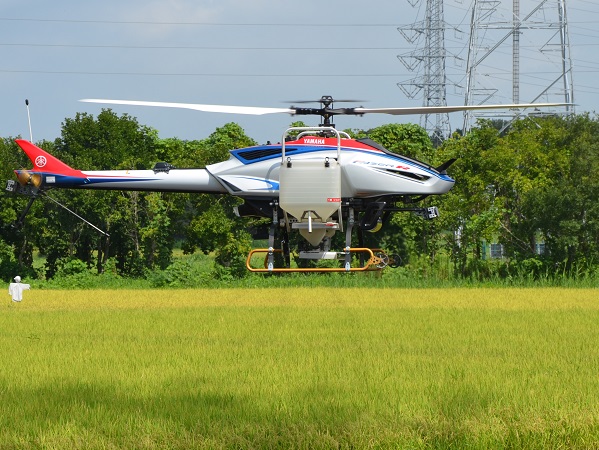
pixel 540 69
pixel 520 47
pixel 428 61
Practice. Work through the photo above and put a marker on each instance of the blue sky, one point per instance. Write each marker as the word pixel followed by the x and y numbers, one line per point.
pixel 252 53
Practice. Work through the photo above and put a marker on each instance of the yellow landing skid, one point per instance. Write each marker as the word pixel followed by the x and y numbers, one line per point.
pixel 375 262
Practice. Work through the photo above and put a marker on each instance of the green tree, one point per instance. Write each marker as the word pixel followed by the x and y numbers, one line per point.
pixel 17 243
pixel 405 234
pixel 104 143
pixel 537 183
pixel 156 236
pixel 534 157
pixel 406 139
pixel 470 211
pixel 213 227
pixel 563 208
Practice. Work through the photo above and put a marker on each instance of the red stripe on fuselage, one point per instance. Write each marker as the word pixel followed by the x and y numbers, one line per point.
pixel 349 144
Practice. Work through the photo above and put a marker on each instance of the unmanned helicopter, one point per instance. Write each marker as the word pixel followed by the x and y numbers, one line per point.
pixel 316 182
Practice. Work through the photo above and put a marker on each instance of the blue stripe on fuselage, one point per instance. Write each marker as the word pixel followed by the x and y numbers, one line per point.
pixel 71 181
pixel 298 150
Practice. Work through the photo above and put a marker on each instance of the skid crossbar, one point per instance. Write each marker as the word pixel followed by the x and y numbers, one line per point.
pixel 374 263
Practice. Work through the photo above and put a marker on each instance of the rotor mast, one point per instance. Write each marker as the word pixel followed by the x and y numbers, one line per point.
pixel 326 111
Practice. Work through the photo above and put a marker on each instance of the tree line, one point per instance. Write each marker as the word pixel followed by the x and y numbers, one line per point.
pixel 530 192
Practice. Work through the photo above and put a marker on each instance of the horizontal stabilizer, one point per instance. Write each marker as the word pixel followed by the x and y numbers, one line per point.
pixel 442 169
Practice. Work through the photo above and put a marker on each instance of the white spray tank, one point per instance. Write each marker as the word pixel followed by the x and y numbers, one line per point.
pixel 310 190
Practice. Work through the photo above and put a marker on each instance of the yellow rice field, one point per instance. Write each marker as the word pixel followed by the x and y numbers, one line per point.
pixel 477 298
pixel 300 368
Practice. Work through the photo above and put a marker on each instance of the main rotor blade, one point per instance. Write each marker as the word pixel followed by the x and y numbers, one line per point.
pixel 259 110
pixel 253 110
pixel 321 100
pixel 448 109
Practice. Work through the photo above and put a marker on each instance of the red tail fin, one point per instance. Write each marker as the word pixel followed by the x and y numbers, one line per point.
pixel 42 160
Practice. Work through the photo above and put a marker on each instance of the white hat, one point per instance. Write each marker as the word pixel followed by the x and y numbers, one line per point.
pixel 18 279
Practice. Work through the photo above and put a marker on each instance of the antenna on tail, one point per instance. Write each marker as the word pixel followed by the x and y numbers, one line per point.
pixel 29 120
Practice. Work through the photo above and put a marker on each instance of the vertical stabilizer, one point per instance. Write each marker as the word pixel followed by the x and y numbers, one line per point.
pixel 42 160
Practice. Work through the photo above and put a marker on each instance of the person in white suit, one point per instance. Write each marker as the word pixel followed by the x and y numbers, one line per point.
pixel 16 289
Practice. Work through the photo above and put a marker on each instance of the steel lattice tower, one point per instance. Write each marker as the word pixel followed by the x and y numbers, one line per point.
pixel 429 60
pixel 537 27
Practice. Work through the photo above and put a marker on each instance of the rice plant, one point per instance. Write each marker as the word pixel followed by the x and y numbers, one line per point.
pixel 300 368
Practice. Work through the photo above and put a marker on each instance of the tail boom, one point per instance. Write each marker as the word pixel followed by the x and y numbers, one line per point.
pixel 50 172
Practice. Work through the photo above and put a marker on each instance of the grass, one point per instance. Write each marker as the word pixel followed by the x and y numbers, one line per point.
pixel 300 368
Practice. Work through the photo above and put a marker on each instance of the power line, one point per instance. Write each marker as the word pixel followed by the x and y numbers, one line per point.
pixel 497 73
pixel 85 72
pixel 242 24
pixel 191 47
pixel 219 48
pixel 216 24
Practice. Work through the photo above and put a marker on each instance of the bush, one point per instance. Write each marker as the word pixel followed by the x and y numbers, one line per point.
pixel 70 266
pixel 182 273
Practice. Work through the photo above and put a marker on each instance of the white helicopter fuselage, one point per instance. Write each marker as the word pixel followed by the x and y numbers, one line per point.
pixel 365 171
pixel 254 172
pixel 317 184
pixel 315 181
